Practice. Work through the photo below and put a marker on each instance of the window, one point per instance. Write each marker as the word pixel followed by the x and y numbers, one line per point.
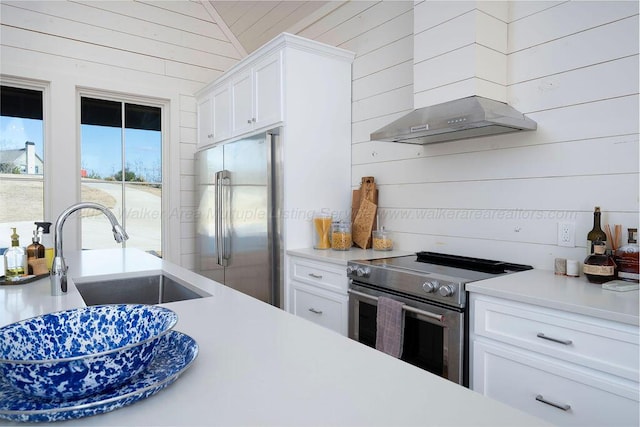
pixel 21 161
pixel 121 168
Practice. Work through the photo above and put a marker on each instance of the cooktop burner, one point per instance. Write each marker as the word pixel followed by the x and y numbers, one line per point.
pixel 429 275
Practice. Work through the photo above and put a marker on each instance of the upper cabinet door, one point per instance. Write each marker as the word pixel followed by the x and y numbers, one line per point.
pixel 242 103
pixel 205 123
pixel 267 76
pixel 221 99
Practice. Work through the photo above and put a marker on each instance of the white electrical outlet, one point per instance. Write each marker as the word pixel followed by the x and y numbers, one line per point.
pixel 567 234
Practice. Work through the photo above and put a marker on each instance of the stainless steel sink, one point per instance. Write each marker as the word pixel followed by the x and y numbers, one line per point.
pixel 154 289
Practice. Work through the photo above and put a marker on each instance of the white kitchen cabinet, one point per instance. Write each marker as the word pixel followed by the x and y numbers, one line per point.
pixel 214 115
pixel 318 292
pixel 567 368
pixel 221 114
pixel 205 120
pixel 256 95
pixel 246 100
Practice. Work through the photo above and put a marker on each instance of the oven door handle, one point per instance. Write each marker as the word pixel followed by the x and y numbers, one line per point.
pixel 438 317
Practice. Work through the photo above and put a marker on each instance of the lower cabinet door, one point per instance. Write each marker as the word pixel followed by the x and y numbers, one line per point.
pixel 559 392
pixel 323 308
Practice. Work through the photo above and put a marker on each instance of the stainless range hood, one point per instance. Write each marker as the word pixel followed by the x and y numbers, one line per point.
pixel 470 117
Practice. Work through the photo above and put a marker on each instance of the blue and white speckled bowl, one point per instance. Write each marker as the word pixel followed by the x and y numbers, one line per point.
pixel 76 353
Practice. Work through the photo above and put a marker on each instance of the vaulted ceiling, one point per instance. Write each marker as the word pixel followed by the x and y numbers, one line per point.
pixel 254 23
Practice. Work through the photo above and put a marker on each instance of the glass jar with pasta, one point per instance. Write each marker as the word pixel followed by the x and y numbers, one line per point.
pixel 341 236
pixel 321 231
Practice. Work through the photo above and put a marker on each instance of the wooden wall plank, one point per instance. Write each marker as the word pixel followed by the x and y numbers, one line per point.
pixel 147 12
pixel 551 194
pixel 89 35
pixel 599 44
pixel 385 57
pixel 549 160
pixel 399 27
pixel 372 17
pixel 388 79
pixel 604 80
pixel 382 104
pixel 567 19
pixel 343 13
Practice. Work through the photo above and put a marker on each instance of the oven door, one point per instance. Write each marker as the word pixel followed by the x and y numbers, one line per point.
pixel 433 336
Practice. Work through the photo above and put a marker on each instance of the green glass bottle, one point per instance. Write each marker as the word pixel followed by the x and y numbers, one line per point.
pixel 596 234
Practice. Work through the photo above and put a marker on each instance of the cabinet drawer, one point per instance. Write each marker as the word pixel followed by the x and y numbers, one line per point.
pixel 319 274
pixel 513 377
pixel 604 345
pixel 324 309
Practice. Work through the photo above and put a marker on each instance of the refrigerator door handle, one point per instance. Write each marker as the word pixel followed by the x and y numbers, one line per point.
pixel 218 218
pixel 225 216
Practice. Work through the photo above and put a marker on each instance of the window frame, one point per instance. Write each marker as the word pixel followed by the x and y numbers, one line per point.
pixel 45 88
pixel 120 97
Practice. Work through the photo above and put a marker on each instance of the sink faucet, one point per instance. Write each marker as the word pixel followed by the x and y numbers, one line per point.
pixel 59 268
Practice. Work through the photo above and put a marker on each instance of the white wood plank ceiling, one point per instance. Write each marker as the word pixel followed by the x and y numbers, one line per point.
pixel 254 23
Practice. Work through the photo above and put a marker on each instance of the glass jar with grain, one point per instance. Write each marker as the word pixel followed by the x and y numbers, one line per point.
pixel 381 240
pixel 341 236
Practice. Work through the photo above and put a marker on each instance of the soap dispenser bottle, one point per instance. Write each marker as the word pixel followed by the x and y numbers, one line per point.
pixel 34 251
pixel 46 239
pixel 15 260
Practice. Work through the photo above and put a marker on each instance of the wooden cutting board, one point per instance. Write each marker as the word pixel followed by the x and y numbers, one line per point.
pixel 363 224
pixel 365 199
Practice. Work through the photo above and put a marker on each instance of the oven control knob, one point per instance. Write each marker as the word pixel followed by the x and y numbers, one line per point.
pixel 446 290
pixel 430 286
pixel 363 272
pixel 351 269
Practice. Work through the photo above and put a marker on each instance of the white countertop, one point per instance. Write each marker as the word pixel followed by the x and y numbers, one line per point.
pixel 258 365
pixel 342 257
pixel 572 294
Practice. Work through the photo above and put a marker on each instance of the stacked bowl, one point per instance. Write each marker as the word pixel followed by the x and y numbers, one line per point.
pixel 77 353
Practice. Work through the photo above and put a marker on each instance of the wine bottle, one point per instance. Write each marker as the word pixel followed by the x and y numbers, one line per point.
pixel 596 234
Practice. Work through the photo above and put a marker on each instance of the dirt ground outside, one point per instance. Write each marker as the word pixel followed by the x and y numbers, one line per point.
pixel 21 199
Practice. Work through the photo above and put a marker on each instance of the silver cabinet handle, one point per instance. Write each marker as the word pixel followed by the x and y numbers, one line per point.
pixel 558 340
pixel 314 311
pixel 315 276
pixel 562 406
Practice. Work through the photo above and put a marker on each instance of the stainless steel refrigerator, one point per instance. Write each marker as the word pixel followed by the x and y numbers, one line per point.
pixel 238 230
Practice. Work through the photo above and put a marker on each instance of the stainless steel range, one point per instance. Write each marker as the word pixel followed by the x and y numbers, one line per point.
pixel 432 288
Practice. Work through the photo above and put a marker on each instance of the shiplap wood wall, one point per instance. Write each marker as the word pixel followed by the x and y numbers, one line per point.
pixel 571 66
pixel 160 51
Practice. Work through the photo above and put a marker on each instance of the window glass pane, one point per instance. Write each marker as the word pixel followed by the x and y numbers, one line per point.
pixel 142 117
pixel 100 112
pixel 143 190
pixel 143 216
pixel 21 163
pixel 100 183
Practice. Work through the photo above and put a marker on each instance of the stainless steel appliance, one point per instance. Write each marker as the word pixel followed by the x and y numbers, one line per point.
pixel 432 287
pixel 463 118
pixel 237 234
